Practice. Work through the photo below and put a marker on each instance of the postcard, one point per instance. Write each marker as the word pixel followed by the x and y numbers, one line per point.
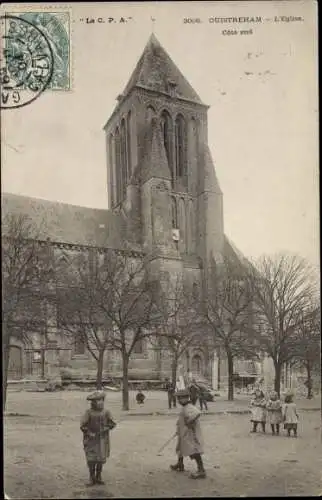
pixel 185 133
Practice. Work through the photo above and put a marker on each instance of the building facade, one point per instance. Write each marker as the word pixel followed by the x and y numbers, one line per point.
pixel 163 196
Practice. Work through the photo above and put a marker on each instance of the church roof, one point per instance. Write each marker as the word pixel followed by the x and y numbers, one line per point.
pixel 156 71
pixel 232 252
pixel 64 223
pixel 210 181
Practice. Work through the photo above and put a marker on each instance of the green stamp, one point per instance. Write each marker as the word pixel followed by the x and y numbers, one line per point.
pixel 56 28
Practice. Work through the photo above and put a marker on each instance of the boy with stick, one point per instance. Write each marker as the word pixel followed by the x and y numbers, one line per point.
pixel 189 442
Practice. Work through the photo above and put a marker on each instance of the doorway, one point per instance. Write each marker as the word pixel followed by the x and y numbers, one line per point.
pixel 196 365
pixel 15 363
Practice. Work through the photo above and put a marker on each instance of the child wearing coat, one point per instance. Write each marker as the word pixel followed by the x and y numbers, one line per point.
pixel 193 392
pixel 202 399
pixel 258 410
pixel 170 388
pixel 274 412
pixel 290 415
pixel 96 424
pixel 189 443
pixel 140 397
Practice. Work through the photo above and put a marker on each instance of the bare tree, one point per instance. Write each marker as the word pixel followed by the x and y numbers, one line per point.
pixel 228 313
pixel 112 306
pixel 307 349
pixel 282 290
pixel 25 271
pixel 177 320
pixel 79 315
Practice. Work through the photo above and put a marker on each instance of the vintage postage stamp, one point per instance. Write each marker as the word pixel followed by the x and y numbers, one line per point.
pixel 35 55
pixel 55 26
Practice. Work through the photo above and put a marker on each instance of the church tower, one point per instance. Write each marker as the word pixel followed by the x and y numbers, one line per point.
pixel 160 171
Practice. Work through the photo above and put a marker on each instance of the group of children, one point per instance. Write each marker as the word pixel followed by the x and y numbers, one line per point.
pixel 97 422
pixel 271 409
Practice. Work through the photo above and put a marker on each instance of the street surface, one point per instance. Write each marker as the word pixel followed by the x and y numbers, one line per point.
pixel 44 458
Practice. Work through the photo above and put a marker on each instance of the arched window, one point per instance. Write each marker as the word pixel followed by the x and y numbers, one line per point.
pixel 197 365
pixel 123 158
pixel 166 127
pixel 138 346
pixel 118 170
pixel 194 129
pixel 79 345
pixel 180 148
pixel 150 113
pixel 191 228
pixel 15 368
pixel 128 143
pixel 174 213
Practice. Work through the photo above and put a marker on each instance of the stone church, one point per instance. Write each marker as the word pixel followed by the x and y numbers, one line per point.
pixel 163 195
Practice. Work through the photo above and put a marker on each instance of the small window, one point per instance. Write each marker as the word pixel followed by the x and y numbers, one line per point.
pixel 79 345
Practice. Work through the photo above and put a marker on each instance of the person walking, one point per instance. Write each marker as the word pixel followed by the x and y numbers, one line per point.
pixel 170 388
pixel 189 437
pixel 290 415
pixel 258 410
pixel 274 412
pixel 203 398
pixel 96 423
pixel 194 392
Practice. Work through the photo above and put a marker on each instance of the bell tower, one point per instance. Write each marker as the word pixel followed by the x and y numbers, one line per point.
pixel 160 170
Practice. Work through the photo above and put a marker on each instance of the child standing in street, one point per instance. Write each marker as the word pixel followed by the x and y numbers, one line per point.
pixel 96 424
pixel 274 412
pixel 170 388
pixel 258 410
pixel 140 397
pixel 189 442
pixel 290 415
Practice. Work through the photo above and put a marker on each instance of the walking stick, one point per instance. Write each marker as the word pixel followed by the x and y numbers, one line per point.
pixel 172 437
pixel 166 444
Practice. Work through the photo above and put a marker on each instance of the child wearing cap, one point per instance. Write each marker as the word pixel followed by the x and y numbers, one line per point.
pixel 95 425
pixel 189 442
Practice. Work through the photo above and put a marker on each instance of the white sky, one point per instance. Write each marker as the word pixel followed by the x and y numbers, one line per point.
pixel 263 126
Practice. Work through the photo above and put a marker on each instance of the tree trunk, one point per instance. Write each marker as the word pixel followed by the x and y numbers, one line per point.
pixel 277 380
pixel 6 355
pixel 309 381
pixel 99 373
pixel 174 366
pixel 230 361
pixel 125 384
